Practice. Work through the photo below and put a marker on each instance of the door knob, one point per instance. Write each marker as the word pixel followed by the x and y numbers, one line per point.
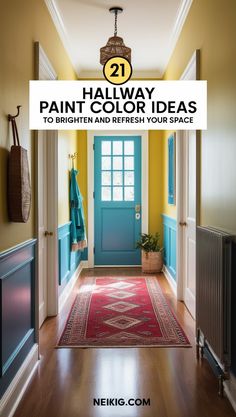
pixel 46 233
pixel 182 223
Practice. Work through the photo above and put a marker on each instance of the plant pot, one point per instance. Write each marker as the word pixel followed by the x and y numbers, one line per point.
pixel 152 262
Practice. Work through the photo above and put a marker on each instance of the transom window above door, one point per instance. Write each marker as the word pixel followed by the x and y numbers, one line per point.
pixel 117 165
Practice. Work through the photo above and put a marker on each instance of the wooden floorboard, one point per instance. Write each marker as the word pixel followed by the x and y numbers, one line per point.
pixel 67 380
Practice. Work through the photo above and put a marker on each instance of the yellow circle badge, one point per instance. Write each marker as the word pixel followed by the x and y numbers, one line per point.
pixel 117 70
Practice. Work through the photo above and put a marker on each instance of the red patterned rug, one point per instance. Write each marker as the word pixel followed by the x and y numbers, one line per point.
pixel 122 312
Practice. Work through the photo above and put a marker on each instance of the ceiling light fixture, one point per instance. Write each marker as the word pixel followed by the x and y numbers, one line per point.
pixel 115 45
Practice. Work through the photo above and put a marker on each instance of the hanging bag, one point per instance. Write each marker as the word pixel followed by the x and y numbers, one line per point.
pixel 19 189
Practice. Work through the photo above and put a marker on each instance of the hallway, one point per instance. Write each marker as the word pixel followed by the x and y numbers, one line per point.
pixel 68 380
pixel 96 191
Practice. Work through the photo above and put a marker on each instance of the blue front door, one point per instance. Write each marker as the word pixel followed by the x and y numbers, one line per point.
pixel 117 179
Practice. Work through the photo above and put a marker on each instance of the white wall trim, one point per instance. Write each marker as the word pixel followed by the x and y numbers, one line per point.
pixel 61 30
pixel 42 312
pixel 181 17
pixel 52 289
pixel 170 279
pixel 70 285
pixel 178 26
pixel 43 68
pixel 90 186
pixel 90 176
pixel 45 71
pixel 145 181
pixel 190 72
pixel 179 206
pixel 12 396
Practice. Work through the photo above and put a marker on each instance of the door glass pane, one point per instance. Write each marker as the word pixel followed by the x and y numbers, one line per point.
pixel 129 162
pixel 106 163
pixel 106 178
pixel 106 147
pixel 117 163
pixel 117 178
pixel 117 147
pixel 117 170
pixel 129 178
pixel 129 193
pixel 129 147
pixel 117 193
pixel 106 193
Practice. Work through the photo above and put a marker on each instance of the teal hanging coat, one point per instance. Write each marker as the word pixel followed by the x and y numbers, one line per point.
pixel 78 228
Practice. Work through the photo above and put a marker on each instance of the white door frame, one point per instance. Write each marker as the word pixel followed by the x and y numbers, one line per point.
pixel 45 71
pixel 90 176
pixel 192 68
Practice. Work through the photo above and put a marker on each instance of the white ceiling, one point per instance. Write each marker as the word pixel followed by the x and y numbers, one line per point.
pixel 149 27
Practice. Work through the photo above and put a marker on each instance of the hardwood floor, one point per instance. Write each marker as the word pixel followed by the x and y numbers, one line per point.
pixel 67 380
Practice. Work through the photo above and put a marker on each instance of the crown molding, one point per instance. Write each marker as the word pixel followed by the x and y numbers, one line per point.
pixel 58 22
pixel 178 26
pixel 60 27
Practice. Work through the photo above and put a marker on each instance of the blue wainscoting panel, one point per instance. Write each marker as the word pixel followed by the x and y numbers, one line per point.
pixel 17 314
pixel 68 261
pixel 64 252
pixel 169 226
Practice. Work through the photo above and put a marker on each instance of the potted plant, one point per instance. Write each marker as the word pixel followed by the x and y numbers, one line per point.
pixel 152 260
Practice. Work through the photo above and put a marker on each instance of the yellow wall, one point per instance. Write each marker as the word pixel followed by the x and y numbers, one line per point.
pixel 77 143
pixel 67 145
pixel 156 179
pixel 22 23
pixel 210 27
pixel 82 166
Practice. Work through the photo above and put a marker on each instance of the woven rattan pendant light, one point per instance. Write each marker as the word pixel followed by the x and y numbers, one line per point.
pixel 115 45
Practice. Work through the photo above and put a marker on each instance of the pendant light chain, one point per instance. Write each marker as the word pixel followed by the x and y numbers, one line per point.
pixel 115 31
pixel 115 46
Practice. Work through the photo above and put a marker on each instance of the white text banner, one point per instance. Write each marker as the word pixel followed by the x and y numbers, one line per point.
pixel 94 105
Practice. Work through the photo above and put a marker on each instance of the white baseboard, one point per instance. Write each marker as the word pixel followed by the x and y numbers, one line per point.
pixel 84 264
pixel 69 287
pixel 230 390
pixel 170 279
pixel 41 313
pixel 16 389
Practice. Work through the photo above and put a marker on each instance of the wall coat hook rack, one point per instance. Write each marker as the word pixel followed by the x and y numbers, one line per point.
pixel 73 157
pixel 12 120
pixel 11 117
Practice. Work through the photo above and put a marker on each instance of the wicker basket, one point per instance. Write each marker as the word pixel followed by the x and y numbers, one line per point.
pixel 152 262
pixel 19 189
